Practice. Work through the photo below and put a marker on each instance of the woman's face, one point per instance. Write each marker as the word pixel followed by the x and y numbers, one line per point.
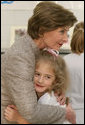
pixel 55 39
pixel 44 77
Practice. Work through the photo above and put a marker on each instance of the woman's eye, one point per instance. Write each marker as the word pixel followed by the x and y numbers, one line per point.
pixel 62 31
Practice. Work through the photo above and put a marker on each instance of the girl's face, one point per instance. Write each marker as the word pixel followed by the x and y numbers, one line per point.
pixel 55 39
pixel 44 77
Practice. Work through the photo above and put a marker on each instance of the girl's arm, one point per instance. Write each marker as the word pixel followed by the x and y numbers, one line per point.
pixel 21 120
pixel 12 114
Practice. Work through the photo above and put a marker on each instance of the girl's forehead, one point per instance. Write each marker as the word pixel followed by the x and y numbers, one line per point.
pixel 44 63
pixel 45 69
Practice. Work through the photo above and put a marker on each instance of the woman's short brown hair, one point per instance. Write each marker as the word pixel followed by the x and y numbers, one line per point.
pixel 48 16
pixel 59 67
pixel 77 42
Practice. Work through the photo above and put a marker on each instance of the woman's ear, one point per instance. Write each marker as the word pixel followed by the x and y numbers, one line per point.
pixel 42 30
pixel 40 35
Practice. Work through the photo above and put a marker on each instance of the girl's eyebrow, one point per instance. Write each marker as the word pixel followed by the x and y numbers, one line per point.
pixel 49 75
pixel 45 74
pixel 36 71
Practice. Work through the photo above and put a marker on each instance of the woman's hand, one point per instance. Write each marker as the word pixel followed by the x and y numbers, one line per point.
pixel 61 98
pixel 11 113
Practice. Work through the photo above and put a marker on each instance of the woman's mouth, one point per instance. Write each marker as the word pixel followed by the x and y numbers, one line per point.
pixel 60 44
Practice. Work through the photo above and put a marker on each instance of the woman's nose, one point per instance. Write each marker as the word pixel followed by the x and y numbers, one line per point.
pixel 65 38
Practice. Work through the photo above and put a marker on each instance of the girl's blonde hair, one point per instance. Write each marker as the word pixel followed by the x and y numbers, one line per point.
pixel 58 64
pixel 77 42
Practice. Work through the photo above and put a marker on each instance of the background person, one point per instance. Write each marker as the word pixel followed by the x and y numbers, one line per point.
pixel 75 63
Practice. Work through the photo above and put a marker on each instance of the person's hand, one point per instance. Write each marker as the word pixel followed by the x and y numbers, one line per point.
pixel 11 113
pixel 70 114
pixel 61 98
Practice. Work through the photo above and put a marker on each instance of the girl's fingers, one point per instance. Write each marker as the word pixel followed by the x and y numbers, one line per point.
pixel 12 106
pixel 61 100
pixel 8 109
pixel 7 118
pixel 5 114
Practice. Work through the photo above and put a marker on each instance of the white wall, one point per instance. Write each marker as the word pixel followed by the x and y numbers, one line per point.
pixel 18 15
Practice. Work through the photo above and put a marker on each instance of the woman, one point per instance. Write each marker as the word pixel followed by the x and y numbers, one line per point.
pixel 75 62
pixel 48 28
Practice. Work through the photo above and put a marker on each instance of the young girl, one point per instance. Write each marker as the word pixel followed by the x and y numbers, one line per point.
pixel 75 63
pixel 50 76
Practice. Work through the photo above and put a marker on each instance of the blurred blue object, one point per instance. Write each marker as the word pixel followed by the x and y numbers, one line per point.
pixel 7 2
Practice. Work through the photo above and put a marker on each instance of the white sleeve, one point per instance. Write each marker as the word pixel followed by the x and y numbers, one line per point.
pixel 49 99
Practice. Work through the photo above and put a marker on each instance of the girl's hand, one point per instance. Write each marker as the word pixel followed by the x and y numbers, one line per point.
pixel 13 107
pixel 70 114
pixel 61 98
pixel 11 113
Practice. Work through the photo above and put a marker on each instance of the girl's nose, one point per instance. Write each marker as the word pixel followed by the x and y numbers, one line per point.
pixel 40 79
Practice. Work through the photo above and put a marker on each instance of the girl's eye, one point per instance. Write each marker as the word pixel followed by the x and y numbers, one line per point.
pixel 37 74
pixel 48 77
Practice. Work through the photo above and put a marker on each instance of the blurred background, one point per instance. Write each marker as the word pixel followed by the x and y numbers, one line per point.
pixel 15 15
